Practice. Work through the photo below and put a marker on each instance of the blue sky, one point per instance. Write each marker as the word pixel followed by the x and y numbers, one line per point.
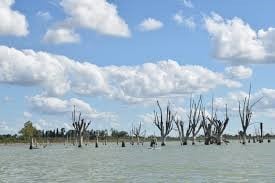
pixel 200 47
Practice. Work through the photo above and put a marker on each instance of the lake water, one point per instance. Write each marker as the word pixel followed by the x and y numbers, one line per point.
pixel 111 163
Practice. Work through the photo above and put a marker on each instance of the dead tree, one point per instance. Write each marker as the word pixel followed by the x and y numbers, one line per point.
pixel 136 131
pixel 207 128
pixel 219 126
pixel 165 126
pixel 80 127
pixel 105 137
pixel 96 142
pixel 245 112
pixel 194 117
pixel 180 128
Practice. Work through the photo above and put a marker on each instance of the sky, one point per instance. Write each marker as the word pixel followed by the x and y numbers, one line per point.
pixel 113 59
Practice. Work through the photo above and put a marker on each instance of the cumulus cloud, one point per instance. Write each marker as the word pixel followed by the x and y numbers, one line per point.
pixel 236 42
pixel 189 22
pixel 55 106
pixel 12 22
pixel 58 75
pixel 61 35
pixel 98 15
pixel 42 69
pixel 150 24
pixel 266 105
pixel 239 72
pixel 5 128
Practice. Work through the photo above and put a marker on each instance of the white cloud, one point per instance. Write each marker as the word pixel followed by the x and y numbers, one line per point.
pixel 98 15
pixel 44 14
pixel 27 114
pixel 55 106
pixel 186 21
pixel 58 75
pixel 150 24
pixel 188 3
pixel 43 69
pixel 236 42
pixel 5 128
pixel 265 107
pixel 61 35
pixel 12 22
pixel 239 72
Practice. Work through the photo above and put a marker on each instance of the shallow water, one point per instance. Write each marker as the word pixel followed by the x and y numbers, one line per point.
pixel 111 163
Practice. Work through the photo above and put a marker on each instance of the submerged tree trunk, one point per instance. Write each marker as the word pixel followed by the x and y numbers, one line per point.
pixel 80 140
pixel 219 139
pixel 137 140
pixel 184 141
pixel 243 138
pixel 122 143
pixel 163 141
pixel 207 140
pixel 193 140
pixel 31 143
pixel 96 142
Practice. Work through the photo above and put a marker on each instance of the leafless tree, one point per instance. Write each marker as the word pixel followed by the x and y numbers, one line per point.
pixel 207 128
pixel 245 112
pixel 219 126
pixel 80 126
pixel 195 117
pixel 136 131
pixel 105 137
pixel 165 126
pixel 180 129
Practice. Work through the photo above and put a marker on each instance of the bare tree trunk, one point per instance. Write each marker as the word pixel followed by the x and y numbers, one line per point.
pixel 193 139
pixel 80 140
pixel 122 143
pixel 31 143
pixel 96 142
pixel 163 140
pixel 219 139
pixel 184 142
pixel 244 139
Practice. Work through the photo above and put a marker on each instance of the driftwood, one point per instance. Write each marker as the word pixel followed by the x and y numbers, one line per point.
pixel 80 127
pixel 165 126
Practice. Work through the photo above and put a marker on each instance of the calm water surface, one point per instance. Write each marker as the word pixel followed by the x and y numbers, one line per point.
pixel 111 163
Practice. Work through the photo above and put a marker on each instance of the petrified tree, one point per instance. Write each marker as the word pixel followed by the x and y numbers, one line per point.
pixel 80 127
pixel 165 126
pixel 245 112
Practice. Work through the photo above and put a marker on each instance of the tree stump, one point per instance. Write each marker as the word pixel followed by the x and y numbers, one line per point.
pixel 123 144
